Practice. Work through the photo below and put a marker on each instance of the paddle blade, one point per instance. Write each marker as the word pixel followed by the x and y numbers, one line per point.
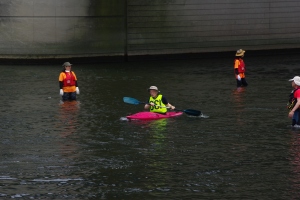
pixel 131 100
pixel 192 112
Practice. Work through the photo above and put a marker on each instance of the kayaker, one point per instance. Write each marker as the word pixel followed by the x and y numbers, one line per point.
pixel 294 102
pixel 240 68
pixel 68 86
pixel 157 102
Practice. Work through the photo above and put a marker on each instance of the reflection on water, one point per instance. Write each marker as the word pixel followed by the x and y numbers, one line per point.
pixel 295 163
pixel 157 146
pixel 68 124
pixel 239 104
pixel 68 117
pixel 82 150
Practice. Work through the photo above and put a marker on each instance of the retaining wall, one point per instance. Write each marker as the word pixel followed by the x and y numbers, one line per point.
pixel 35 29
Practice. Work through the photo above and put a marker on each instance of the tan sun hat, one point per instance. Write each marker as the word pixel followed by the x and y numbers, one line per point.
pixel 240 52
pixel 296 80
pixel 153 88
pixel 66 64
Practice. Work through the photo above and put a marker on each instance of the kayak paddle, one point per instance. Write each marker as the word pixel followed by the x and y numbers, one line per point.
pixel 134 101
pixel 191 112
pixel 187 111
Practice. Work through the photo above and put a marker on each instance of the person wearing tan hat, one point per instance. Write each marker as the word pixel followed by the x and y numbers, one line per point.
pixel 68 85
pixel 157 102
pixel 294 102
pixel 240 68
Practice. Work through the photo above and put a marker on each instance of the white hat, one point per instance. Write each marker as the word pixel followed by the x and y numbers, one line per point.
pixel 296 80
pixel 153 88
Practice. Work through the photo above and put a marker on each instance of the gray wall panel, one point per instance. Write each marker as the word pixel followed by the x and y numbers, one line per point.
pixel 44 30
pixel 22 31
pixel 176 26
pixel 44 8
pixel 54 28
pixel 22 8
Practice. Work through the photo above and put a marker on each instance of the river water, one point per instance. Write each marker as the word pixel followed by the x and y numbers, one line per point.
pixel 244 149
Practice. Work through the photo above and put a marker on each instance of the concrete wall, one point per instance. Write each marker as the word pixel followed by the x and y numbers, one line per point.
pixel 61 28
pixel 84 28
pixel 184 26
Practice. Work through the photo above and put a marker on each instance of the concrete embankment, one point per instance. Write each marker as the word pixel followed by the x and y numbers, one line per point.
pixel 121 30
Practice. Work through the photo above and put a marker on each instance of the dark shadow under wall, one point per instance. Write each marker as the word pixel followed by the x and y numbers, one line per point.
pixel 102 59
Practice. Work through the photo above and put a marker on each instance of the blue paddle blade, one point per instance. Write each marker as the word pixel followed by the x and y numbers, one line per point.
pixel 131 100
pixel 192 112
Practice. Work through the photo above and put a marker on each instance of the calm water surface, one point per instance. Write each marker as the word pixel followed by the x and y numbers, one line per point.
pixel 84 150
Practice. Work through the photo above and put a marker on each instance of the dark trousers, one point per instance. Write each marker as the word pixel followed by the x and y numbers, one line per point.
pixel 69 96
pixel 296 118
pixel 241 83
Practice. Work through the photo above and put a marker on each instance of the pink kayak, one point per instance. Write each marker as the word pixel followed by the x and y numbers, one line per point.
pixel 152 115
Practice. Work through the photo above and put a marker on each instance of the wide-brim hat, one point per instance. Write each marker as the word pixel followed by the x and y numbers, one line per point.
pixel 240 52
pixel 66 64
pixel 153 88
pixel 296 80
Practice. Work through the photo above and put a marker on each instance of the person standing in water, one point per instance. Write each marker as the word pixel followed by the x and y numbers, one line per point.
pixel 294 102
pixel 240 68
pixel 68 86
pixel 157 102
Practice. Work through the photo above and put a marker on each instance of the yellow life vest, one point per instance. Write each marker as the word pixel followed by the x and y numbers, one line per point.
pixel 157 101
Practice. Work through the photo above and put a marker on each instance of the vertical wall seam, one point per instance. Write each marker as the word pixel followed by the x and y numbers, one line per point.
pixel 126 31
